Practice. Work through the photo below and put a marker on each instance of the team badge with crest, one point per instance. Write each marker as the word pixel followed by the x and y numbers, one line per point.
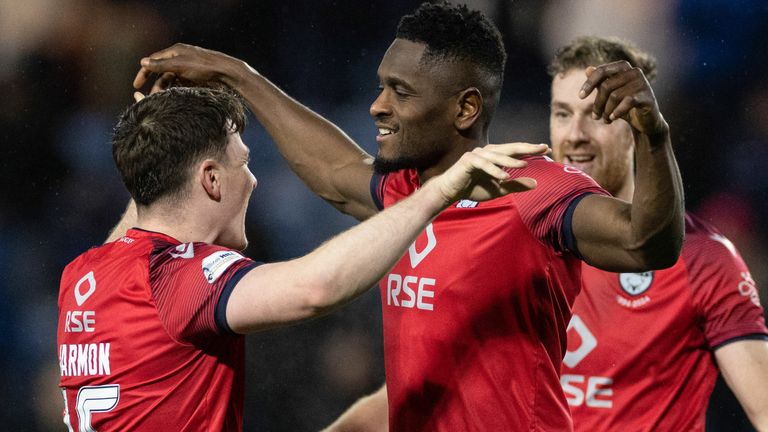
pixel 635 283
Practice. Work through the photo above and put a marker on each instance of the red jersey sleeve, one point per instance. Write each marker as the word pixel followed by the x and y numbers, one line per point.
pixel 544 209
pixel 191 284
pixel 724 293
pixel 388 189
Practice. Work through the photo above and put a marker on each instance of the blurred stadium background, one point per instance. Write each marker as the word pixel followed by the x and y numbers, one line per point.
pixel 66 68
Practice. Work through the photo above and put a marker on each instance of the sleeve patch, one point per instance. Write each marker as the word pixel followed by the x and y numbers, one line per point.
pixel 216 263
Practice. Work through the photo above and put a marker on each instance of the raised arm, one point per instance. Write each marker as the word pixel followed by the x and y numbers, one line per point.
pixel 320 153
pixel 647 233
pixel 344 267
pixel 744 365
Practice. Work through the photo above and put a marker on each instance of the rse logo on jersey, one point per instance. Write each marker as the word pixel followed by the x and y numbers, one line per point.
pixel 588 342
pixel 185 250
pixel 81 297
pixel 216 263
pixel 747 288
pixel 592 391
pixel 412 291
pixel 82 321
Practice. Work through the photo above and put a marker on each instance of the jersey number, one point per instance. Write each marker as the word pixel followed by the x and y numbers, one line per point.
pixel 91 399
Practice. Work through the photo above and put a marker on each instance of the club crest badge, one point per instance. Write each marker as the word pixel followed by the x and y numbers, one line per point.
pixel 635 283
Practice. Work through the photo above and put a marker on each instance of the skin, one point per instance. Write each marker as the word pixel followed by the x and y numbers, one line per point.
pixel 603 150
pixel 434 127
pixel 417 115
pixel 220 191
pixel 575 132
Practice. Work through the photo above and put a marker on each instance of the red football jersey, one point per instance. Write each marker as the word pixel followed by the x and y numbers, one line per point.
pixel 143 342
pixel 640 344
pixel 475 313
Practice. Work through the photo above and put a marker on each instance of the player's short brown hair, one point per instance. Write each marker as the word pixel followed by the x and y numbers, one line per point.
pixel 594 51
pixel 158 140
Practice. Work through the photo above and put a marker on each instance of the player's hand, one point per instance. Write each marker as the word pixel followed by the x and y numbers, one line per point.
pixel 623 92
pixel 188 64
pixel 479 175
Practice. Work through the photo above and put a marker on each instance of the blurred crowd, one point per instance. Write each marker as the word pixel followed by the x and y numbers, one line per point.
pixel 66 68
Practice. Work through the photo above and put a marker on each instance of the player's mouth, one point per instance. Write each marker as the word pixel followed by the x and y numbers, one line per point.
pixel 582 162
pixel 385 132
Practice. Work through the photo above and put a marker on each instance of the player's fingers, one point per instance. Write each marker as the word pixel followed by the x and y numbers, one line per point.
pixel 517 149
pixel 478 163
pixel 595 75
pixel 614 99
pixel 519 184
pixel 167 53
pixel 502 159
pixel 163 82
pixel 142 76
pixel 609 94
pixel 138 96
pixel 622 109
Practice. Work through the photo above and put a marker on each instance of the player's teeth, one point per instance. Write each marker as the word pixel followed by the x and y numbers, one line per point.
pixel 581 158
pixel 383 131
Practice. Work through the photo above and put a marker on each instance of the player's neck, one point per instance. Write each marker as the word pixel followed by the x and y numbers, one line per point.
pixel 178 223
pixel 461 146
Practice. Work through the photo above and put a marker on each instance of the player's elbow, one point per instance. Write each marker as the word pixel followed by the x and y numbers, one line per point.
pixel 659 253
pixel 319 297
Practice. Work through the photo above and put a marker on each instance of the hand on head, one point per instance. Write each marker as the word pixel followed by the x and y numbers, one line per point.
pixel 623 92
pixel 182 64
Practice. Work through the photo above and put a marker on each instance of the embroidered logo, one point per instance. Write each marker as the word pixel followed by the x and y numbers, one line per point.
pixel 216 263
pixel 635 283
pixel 466 204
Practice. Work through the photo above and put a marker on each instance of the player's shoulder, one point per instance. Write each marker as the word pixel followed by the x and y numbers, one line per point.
pixel 545 168
pixel 702 238
pixel 195 259
pixel 108 253
pixel 705 245
pixel 391 187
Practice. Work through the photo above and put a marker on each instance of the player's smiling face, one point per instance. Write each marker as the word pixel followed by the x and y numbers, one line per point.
pixel 237 185
pixel 412 112
pixel 604 151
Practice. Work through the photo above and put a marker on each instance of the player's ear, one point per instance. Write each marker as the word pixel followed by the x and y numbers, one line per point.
pixel 209 175
pixel 469 108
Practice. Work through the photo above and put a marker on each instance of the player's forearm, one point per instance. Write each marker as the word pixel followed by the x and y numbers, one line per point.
pixel 314 147
pixel 127 220
pixel 657 215
pixel 355 260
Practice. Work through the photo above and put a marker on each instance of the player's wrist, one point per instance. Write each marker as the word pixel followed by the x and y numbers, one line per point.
pixel 236 73
pixel 434 196
pixel 658 137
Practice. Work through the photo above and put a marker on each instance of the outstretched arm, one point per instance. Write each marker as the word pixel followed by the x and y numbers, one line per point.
pixel 352 262
pixel 744 365
pixel 648 232
pixel 369 414
pixel 320 153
